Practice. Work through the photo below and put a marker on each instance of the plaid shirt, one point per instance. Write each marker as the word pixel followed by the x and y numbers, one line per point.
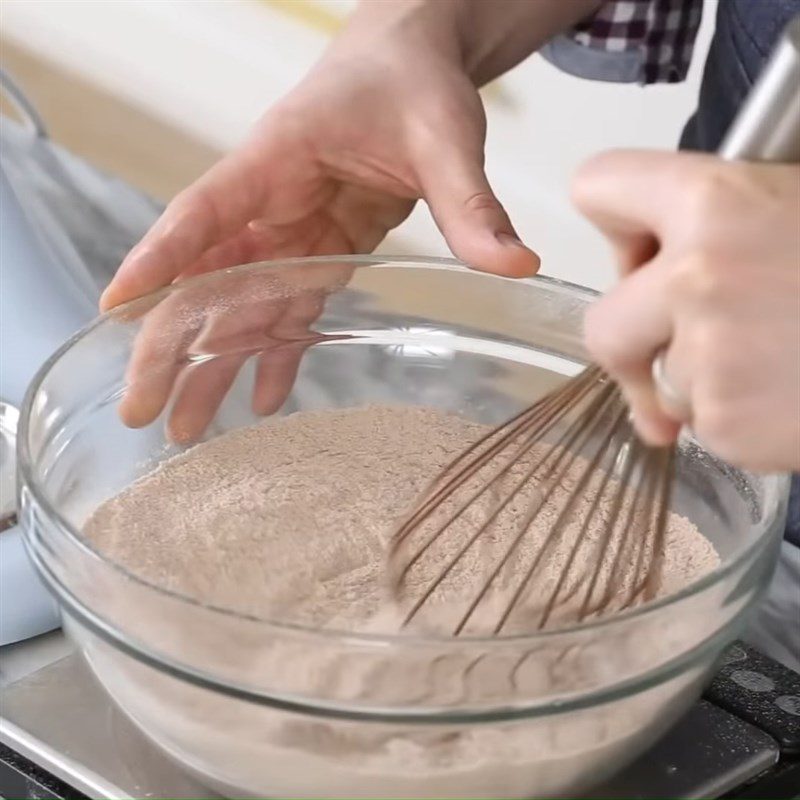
pixel 642 41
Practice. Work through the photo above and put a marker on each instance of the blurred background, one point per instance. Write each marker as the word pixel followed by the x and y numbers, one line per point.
pixel 155 90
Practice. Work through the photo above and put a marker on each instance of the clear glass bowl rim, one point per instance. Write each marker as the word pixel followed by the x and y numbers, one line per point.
pixel 29 483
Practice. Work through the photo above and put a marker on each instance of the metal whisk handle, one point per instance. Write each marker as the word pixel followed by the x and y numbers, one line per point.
pixel 767 127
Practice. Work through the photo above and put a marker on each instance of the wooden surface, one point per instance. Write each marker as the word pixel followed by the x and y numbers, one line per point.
pixel 113 135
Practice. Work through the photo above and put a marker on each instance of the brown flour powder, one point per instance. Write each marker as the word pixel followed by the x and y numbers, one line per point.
pixel 290 519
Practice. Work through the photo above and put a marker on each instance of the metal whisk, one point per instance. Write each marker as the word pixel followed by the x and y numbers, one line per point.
pixel 571 433
pixel 560 514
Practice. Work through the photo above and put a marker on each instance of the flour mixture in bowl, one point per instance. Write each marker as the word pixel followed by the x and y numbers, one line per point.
pixel 233 602
pixel 290 520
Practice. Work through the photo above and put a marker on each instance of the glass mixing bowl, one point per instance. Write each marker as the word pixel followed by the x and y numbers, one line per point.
pixel 546 714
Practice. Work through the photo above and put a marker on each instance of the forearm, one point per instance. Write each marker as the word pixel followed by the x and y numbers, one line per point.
pixel 486 37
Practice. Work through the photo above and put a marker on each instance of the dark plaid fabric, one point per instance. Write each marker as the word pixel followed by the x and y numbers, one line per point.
pixel 661 31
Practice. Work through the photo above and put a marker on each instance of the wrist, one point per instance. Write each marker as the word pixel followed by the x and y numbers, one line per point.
pixel 482 39
pixel 477 38
pixel 414 27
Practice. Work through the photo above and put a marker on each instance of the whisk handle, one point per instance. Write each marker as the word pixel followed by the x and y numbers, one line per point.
pixel 767 127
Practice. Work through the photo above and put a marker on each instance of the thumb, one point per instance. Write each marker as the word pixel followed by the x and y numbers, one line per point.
pixel 472 220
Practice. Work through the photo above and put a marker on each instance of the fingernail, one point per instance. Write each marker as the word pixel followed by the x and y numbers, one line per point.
pixel 104 304
pixel 109 297
pixel 509 240
pixel 138 254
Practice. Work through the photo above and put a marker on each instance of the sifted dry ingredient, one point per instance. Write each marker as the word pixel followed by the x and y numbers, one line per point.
pixel 289 519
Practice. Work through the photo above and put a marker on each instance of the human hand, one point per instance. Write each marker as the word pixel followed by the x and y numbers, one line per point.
pixel 709 253
pixel 388 116
pixel 192 342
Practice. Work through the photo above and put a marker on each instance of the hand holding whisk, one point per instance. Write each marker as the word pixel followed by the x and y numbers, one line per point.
pixel 560 514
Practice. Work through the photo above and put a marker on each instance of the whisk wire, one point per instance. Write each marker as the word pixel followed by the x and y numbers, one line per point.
pixel 607 537
pixel 648 542
pixel 589 517
pixel 541 416
pixel 542 412
pixel 563 516
pixel 571 436
pixel 665 471
pixel 559 445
